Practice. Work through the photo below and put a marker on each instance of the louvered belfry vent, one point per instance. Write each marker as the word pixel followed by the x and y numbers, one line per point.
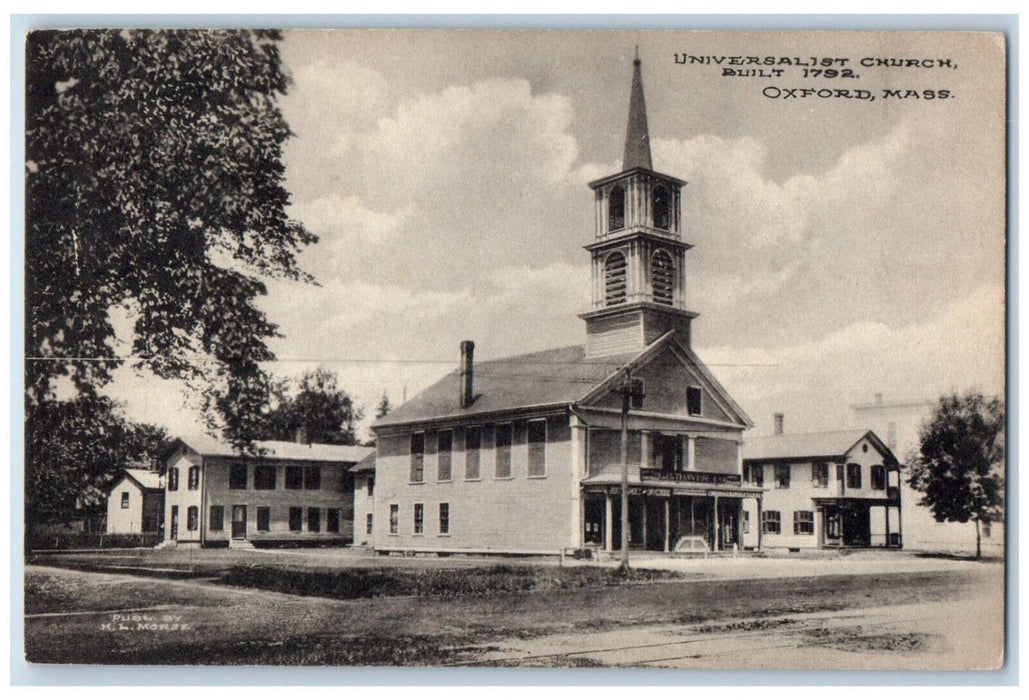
pixel 614 279
pixel 662 277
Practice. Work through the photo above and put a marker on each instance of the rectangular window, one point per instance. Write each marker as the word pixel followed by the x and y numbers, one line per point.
pixel 238 476
pixel 194 478
pixel 754 474
pixel 296 519
pixel 820 475
pixel 173 479
pixel 419 518
pixel 782 476
pixel 443 454
pixel 537 439
pixel 191 517
pixel 124 499
pixel 803 522
pixel 444 518
pixel 394 519
pixel 472 443
pixel 417 457
pixel 264 519
pixel 503 450
pixel 294 478
pixel 312 478
pixel 368 524
pixel 853 476
pixel 694 400
pixel 332 520
pixel 314 519
pixel 878 477
pixel 217 518
pixel 746 522
pixel 371 486
pixel 264 477
pixel 771 523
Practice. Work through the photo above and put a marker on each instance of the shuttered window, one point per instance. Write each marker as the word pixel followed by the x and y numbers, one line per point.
pixel 503 450
pixel 537 438
pixel 472 442
pixel 444 449
pixel 661 276
pixel 614 279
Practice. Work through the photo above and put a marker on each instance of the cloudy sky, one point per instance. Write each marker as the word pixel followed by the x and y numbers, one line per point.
pixel 842 247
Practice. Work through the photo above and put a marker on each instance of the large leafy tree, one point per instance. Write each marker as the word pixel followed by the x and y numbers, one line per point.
pixel 154 184
pixel 959 464
pixel 317 407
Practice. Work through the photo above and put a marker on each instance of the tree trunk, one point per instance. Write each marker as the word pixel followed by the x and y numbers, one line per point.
pixel 978 541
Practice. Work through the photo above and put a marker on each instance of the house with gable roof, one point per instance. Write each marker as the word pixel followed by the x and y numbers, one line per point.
pixel 523 454
pixel 135 503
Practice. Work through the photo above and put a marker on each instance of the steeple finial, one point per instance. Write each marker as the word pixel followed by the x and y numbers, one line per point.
pixel 637 139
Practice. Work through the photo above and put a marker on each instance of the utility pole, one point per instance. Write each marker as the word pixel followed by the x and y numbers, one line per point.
pixel 632 397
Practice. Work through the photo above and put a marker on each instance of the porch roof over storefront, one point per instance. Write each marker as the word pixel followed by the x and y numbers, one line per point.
pixel 668 487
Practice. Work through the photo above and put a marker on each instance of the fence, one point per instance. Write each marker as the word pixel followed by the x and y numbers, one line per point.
pixel 91 540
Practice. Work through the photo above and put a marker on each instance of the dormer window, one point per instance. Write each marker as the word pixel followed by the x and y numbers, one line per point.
pixel 616 208
pixel 614 279
pixel 661 277
pixel 659 205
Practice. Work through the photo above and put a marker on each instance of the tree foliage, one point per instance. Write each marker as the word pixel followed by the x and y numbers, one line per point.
pixel 318 407
pixel 77 448
pixel 959 464
pixel 384 407
pixel 154 183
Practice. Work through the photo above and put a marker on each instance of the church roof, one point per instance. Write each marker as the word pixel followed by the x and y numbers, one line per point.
pixel 637 137
pixel 836 443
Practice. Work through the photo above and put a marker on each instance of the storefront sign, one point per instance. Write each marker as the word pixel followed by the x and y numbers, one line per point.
pixel 690 477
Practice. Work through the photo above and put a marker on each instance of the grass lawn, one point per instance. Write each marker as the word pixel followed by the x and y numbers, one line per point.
pixel 244 625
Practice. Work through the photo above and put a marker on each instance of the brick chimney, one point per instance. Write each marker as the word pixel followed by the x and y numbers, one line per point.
pixel 778 417
pixel 467 392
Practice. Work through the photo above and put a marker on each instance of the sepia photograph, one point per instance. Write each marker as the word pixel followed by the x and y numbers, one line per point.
pixel 493 348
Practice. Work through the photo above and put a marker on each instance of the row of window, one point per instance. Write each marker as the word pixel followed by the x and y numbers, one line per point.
pixel 803 522
pixel 418 519
pixel 503 433
pixel 662 278
pixel 660 201
pixel 754 474
pixel 297 519
pixel 265 479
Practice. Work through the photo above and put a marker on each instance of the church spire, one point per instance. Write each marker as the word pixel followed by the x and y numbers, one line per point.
pixel 637 140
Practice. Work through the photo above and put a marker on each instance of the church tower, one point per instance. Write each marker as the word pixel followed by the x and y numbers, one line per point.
pixel 638 256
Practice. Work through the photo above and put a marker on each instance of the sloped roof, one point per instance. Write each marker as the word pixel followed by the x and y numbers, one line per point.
pixel 208 446
pixel 145 478
pixel 366 465
pixel 549 377
pixel 835 443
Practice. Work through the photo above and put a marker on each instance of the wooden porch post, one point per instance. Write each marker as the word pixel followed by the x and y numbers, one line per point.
pixel 886 509
pixel 714 519
pixel 608 523
pixel 758 523
pixel 668 521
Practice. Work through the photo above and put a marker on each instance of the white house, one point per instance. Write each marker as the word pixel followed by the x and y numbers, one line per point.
pixel 135 504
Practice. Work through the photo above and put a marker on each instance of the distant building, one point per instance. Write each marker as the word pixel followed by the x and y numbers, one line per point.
pixel 900 421
pixel 523 454
pixel 135 503
pixel 291 493
pixel 364 500
pixel 832 489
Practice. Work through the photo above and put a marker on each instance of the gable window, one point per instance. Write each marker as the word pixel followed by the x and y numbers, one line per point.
pixel 771 522
pixel 694 400
pixel 238 476
pixel 614 279
pixel 616 208
pixel 173 479
pixel 312 478
pixel 853 476
pixel 419 518
pixel 264 477
pixel 444 518
pixel 503 450
pixel 124 499
pixel 191 517
pixel 878 477
pixel 332 520
pixel 194 478
pixel 803 522
pixel 662 275
pixel 537 438
pixel 264 518
pixel 754 474
pixel 371 486
pixel 217 518
pixel 472 443
pixel 294 478
pixel 296 519
pixel 820 475
pixel 443 454
pixel 782 476
pixel 314 519
pixel 417 457
pixel 659 201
